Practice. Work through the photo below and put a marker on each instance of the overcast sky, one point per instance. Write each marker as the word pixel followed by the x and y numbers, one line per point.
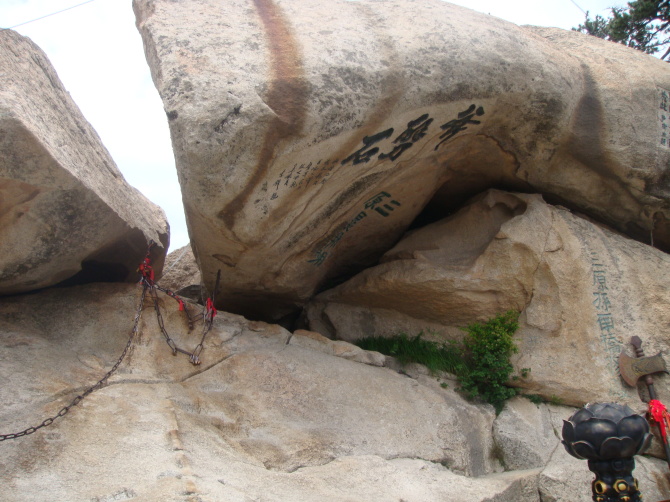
pixel 98 55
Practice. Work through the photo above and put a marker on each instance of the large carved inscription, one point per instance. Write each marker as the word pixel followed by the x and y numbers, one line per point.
pixel 318 172
pixel 383 204
pixel 386 145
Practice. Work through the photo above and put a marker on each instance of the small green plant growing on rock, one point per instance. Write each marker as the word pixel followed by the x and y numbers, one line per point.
pixel 487 351
pixel 481 362
pixel 534 398
pixel 537 399
pixel 555 400
pixel 436 357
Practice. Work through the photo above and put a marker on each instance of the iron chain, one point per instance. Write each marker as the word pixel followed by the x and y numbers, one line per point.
pixel 148 285
pixel 194 357
pixel 63 411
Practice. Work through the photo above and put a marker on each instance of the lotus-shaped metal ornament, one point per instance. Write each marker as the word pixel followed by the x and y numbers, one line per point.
pixel 604 431
pixel 608 435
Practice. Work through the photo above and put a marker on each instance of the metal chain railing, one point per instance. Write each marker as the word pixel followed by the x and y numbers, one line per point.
pixel 150 287
pixel 98 385
pixel 207 316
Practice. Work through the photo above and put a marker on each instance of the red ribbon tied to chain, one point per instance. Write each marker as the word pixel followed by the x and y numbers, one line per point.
pixel 210 310
pixel 146 269
pixel 660 415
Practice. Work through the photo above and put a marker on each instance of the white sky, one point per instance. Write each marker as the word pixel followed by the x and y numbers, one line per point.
pixel 98 54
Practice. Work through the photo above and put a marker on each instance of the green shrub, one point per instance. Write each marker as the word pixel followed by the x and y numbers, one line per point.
pixel 487 351
pixel 481 361
pixel 554 399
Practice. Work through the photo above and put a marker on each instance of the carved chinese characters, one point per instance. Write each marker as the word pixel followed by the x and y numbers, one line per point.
pixel 308 141
pixel 664 117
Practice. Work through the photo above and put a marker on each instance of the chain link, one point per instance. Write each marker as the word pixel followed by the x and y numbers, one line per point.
pixel 161 324
pixel 148 285
pixel 207 316
pixel 182 305
pixel 99 384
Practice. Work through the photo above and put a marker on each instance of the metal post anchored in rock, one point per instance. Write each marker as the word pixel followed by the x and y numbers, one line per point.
pixel 608 435
pixel 631 369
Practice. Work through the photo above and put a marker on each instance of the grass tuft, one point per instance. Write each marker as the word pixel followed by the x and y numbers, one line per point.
pixel 407 350
pixel 481 362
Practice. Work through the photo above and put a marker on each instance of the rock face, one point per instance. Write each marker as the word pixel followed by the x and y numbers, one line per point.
pixel 583 292
pixel 309 135
pixel 268 415
pixel 526 433
pixel 181 273
pixel 65 210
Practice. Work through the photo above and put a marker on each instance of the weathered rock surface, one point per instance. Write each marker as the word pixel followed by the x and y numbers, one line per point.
pixel 65 209
pixel 267 414
pixel 309 135
pixel 528 434
pixel 582 291
pixel 181 272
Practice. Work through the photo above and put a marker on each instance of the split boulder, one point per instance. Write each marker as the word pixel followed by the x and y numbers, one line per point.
pixel 66 212
pixel 308 136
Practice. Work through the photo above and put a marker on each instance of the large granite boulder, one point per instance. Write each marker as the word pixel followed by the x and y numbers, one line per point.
pixel 268 415
pixel 66 213
pixel 309 135
pixel 582 291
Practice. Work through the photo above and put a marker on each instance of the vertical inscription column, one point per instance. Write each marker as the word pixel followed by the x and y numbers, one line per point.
pixel 664 117
pixel 605 316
